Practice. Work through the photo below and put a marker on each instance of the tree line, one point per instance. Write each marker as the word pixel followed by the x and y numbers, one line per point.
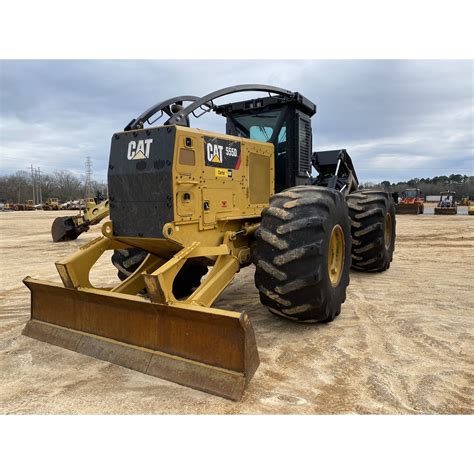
pixel 64 185
pixel 462 185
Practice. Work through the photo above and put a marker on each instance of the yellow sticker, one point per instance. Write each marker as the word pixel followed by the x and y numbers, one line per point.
pixel 222 173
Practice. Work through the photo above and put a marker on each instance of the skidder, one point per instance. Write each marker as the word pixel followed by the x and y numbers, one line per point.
pixel 188 209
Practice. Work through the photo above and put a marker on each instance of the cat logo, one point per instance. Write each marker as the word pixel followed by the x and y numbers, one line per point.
pixel 214 152
pixel 220 153
pixel 139 150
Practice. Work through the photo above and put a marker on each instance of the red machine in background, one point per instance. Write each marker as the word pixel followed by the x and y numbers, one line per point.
pixel 411 202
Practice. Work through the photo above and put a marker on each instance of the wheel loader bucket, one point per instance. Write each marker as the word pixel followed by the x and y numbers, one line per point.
pixel 207 349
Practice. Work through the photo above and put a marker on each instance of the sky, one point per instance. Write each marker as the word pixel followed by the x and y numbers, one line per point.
pixel 397 119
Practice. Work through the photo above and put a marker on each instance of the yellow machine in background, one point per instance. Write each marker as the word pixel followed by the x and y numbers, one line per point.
pixel 51 204
pixel 29 205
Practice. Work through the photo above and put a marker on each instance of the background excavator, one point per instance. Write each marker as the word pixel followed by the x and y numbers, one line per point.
pixel 188 209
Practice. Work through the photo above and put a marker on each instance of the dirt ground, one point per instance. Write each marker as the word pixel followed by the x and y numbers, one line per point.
pixel 404 342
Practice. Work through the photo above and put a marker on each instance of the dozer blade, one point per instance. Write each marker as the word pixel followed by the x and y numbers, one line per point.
pixel 64 229
pixel 447 211
pixel 407 209
pixel 207 349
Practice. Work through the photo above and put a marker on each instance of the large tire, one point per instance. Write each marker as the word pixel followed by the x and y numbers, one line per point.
pixel 188 279
pixel 292 253
pixel 373 224
pixel 126 261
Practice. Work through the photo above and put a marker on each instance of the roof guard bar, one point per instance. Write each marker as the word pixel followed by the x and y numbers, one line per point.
pixel 180 117
pixel 138 122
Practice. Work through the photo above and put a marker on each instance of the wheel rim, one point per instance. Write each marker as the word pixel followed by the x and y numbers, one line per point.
pixel 388 230
pixel 336 255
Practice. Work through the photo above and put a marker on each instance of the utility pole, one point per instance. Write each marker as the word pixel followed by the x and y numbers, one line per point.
pixel 37 193
pixel 33 184
pixel 40 200
pixel 36 186
pixel 88 183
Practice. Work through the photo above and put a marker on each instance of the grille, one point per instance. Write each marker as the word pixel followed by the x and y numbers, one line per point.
pixel 304 152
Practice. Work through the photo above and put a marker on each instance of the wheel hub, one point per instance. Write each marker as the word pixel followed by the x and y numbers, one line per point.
pixel 336 255
pixel 388 230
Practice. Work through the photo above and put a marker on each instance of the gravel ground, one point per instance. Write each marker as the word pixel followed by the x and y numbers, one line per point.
pixel 402 344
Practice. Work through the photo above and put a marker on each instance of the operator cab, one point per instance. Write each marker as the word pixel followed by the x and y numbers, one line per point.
pixel 412 193
pixel 447 199
pixel 281 120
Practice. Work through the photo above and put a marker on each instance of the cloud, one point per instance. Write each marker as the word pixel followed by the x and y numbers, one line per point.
pixel 397 119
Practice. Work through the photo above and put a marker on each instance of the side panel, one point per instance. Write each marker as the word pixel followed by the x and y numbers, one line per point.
pixel 140 181
pixel 220 182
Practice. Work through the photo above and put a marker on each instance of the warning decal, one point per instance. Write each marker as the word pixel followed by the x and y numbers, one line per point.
pixel 223 173
pixel 222 153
